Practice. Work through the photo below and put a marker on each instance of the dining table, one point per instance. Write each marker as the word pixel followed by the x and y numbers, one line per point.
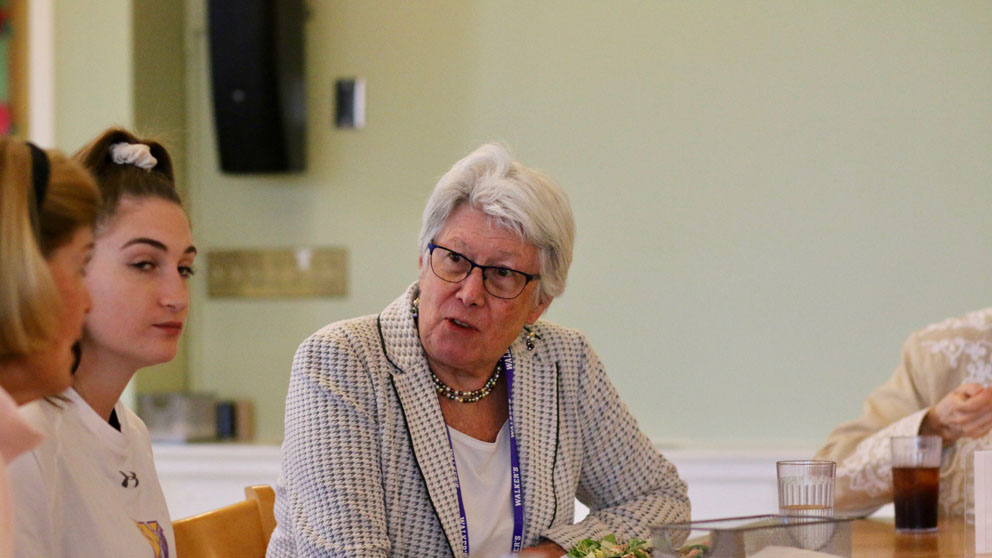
pixel 877 538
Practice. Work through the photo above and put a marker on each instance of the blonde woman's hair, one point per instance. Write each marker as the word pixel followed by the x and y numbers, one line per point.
pixel 29 301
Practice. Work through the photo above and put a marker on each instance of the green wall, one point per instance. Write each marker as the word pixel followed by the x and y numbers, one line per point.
pixel 94 81
pixel 770 195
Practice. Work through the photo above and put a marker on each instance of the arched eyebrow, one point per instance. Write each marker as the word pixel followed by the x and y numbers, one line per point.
pixel 142 240
pixel 156 244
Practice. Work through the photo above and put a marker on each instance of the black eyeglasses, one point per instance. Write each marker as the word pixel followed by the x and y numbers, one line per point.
pixel 499 281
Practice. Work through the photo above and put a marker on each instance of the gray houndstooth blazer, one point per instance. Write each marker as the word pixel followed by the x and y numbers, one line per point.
pixel 366 466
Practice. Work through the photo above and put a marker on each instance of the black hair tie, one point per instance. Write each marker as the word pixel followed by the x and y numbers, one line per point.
pixel 41 172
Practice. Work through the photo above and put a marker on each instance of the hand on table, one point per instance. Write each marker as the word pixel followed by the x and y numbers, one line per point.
pixel 966 412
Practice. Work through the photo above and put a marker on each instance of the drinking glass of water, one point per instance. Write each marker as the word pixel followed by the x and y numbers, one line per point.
pixel 806 487
pixel 806 493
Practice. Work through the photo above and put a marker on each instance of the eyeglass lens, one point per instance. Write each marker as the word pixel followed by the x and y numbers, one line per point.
pixel 500 282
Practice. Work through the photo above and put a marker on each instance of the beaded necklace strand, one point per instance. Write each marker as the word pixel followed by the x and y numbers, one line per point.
pixel 467 396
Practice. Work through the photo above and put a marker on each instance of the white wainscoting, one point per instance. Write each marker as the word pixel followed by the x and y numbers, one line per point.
pixel 200 477
pixel 730 483
pixel 722 483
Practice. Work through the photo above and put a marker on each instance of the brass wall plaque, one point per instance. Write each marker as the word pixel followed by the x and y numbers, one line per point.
pixel 277 273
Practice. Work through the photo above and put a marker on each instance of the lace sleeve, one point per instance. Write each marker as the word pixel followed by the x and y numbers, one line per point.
pixel 864 478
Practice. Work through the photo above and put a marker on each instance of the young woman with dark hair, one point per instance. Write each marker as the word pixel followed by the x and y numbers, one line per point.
pixel 92 489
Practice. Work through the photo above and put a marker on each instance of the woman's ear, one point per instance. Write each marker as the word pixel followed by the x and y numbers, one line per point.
pixel 538 310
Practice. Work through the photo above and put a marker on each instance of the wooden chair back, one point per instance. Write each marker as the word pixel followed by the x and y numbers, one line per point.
pixel 240 530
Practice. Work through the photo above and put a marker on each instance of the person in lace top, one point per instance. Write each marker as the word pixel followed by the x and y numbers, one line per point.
pixel 941 387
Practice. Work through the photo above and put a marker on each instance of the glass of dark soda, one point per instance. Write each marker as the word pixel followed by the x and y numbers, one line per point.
pixel 916 482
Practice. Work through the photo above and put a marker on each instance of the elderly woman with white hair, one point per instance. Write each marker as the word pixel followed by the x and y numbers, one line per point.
pixel 455 422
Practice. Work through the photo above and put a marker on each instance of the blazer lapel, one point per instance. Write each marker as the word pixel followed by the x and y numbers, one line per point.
pixel 425 423
pixel 535 419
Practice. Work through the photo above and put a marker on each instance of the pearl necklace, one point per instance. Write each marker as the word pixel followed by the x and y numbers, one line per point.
pixel 467 396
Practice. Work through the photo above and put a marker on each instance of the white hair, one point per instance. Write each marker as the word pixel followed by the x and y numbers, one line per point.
pixel 519 198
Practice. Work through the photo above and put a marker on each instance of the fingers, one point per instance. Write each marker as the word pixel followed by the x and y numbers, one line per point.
pixel 977 402
pixel 965 411
pixel 969 413
pixel 968 390
pixel 979 428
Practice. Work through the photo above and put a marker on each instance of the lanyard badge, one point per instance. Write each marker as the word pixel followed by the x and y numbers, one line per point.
pixel 516 488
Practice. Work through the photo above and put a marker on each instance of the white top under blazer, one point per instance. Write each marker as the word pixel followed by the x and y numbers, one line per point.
pixel 484 476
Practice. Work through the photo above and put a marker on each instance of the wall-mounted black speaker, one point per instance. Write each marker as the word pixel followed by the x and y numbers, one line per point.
pixel 256 67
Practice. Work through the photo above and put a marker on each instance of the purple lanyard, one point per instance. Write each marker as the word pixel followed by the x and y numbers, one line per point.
pixel 515 485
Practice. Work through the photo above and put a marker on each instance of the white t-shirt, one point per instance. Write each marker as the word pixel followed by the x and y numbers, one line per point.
pixel 88 491
pixel 484 476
